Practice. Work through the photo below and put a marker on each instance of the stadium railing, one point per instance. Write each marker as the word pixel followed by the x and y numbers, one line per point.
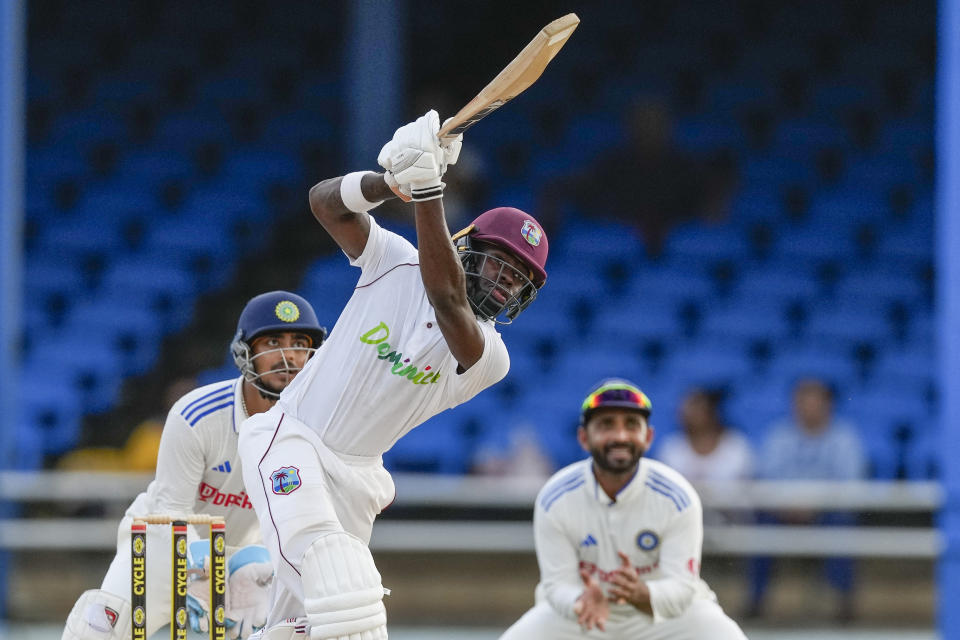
pixel 905 510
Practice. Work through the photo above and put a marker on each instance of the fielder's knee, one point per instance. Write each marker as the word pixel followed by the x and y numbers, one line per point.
pixel 98 615
pixel 343 595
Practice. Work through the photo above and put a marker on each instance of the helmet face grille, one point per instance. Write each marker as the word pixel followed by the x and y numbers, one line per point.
pixel 245 360
pixel 485 291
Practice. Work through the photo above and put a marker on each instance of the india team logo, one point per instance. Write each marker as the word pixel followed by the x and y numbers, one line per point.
pixel 287 311
pixel 285 480
pixel 647 540
pixel 531 232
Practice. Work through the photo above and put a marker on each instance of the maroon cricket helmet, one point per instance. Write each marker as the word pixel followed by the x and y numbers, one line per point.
pixel 517 233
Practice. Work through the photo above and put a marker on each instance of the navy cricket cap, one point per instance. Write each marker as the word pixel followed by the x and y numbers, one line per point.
pixel 279 311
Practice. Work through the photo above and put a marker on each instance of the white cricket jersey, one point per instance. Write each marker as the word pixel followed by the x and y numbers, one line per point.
pixel 386 367
pixel 198 468
pixel 656 520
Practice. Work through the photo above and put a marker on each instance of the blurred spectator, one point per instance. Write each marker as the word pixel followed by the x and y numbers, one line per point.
pixel 708 450
pixel 647 181
pixel 812 445
pixel 523 457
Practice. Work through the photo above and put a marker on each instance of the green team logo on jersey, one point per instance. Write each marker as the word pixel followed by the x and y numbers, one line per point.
pixel 287 311
pixel 401 366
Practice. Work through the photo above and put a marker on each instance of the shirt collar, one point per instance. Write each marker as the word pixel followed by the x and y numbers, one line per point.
pixel 625 491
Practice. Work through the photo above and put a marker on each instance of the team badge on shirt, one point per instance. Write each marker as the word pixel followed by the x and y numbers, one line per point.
pixel 287 311
pixel 531 232
pixel 285 480
pixel 647 540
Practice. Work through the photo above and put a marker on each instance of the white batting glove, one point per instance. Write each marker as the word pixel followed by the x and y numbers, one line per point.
pixel 414 157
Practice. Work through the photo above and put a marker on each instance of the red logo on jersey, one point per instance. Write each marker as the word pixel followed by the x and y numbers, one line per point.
pixel 111 616
pixel 607 576
pixel 213 495
pixel 694 566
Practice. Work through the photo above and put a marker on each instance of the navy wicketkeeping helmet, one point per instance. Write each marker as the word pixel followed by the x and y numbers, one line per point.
pixel 273 312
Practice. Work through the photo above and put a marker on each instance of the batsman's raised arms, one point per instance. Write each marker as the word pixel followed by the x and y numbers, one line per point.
pixel 522 72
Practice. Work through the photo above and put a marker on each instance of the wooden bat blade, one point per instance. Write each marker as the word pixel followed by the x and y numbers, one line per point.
pixel 516 77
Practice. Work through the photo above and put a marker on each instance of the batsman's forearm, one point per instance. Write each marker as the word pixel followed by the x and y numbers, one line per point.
pixel 326 203
pixel 440 268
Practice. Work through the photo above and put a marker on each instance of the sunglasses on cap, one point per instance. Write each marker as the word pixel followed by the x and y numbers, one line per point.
pixel 617 395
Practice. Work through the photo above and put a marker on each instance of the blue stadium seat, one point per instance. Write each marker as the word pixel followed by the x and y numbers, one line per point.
pixel 707 133
pixel 746 318
pixel 77 238
pixel 149 168
pixel 292 130
pixel 50 411
pixel 258 168
pixel 698 241
pixel 183 131
pixel 226 90
pixel 806 135
pixel 436 446
pixel 847 322
pixel 83 129
pixel 89 366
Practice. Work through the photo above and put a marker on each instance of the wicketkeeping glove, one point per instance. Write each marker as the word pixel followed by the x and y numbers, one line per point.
pixel 248 590
pixel 198 585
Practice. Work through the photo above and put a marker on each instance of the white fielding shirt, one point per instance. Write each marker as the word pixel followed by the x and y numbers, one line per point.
pixel 656 520
pixel 386 367
pixel 198 468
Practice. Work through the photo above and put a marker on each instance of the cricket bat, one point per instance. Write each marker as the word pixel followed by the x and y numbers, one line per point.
pixel 515 78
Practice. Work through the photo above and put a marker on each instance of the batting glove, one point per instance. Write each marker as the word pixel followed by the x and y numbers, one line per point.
pixel 414 157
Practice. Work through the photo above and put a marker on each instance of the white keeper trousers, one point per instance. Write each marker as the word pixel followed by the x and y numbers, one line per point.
pixel 159 572
pixel 703 620
pixel 336 492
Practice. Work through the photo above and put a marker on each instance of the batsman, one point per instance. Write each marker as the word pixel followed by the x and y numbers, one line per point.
pixel 418 336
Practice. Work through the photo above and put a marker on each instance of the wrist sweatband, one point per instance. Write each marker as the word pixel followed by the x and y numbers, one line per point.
pixel 431 192
pixel 351 194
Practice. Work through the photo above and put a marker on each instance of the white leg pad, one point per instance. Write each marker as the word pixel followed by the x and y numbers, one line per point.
pixel 98 615
pixel 343 596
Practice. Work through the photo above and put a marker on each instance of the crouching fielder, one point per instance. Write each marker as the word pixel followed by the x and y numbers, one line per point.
pixel 199 471
pixel 618 538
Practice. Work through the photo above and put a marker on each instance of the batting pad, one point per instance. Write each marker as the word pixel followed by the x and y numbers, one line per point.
pixel 343 596
pixel 98 615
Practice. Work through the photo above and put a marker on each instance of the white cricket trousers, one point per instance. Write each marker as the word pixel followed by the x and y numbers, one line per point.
pixel 703 620
pixel 302 490
pixel 159 572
